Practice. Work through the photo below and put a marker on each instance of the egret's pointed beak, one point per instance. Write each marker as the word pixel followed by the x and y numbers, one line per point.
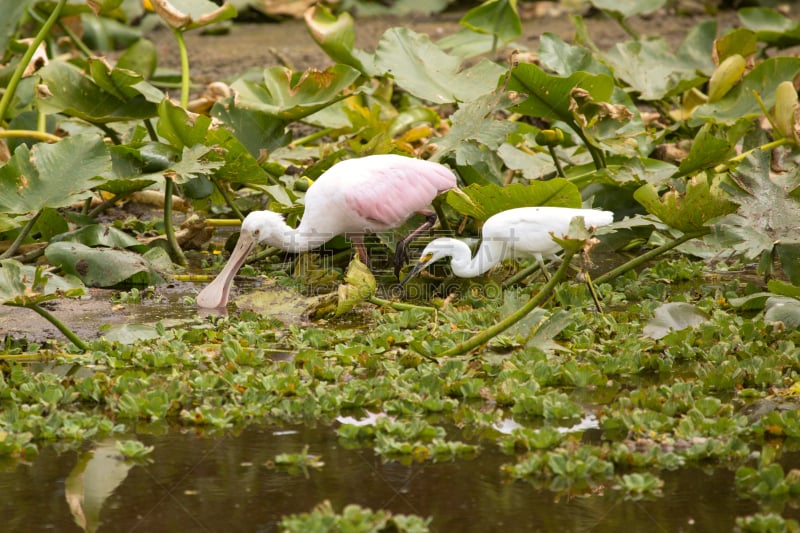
pixel 216 293
pixel 424 261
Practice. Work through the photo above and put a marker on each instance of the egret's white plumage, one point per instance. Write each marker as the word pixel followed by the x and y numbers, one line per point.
pixel 516 233
pixel 353 197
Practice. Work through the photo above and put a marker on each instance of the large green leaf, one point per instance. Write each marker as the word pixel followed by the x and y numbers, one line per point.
pixel 293 95
pixel 691 211
pixel 474 122
pixel 70 91
pixel 740 103
pixel 483 201
pixel 191 14
pixel 709 148
pixel 53 175
pixel 13 11
pixel 771 26
pixel 628 8
pixel 101 235
pixel 783 309
pixel 426 71
pixel 23 285
pixel 767 214
pixel 652 69
pixel 565 59
pixel 496 17
pixel 256 130
pixel 548 96
pixel 179 127
pixel 102 267
pixel 336 35
pixel 239 166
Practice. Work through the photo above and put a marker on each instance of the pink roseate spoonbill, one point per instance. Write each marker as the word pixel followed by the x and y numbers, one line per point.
pixel 353 197
pixel 516 233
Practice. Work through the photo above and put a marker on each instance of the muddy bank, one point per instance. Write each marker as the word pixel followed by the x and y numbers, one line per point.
pixel 250 45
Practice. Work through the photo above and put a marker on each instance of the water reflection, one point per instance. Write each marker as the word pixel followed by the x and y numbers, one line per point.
pixel 223 484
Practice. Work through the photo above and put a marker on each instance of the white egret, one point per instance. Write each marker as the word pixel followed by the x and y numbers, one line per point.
pixel 516 233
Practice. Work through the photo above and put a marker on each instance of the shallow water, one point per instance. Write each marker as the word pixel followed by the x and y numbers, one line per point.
pixel 198 483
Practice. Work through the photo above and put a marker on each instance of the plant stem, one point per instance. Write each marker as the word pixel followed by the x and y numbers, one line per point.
pixel 534 302
pixel 228 199
pixel 79 44
pixel 764 147
pixel 11 88
pixel 185 79
pixel 522 274
pixel 30 134
pixel 312 136
pixel 105 204
pixel 60 325
pixel 169 229
pixel 21 237
pixel 556 162
pixel 400 306
pixel 223 222
pixel 640 260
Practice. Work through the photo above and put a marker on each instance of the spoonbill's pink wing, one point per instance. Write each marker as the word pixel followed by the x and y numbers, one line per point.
pixel 394 192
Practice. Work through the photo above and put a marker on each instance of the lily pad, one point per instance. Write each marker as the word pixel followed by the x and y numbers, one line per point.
pixel 102 267
pixel 35 178
pixel 673 316
pixel 483 201
pixel 702 201
pixel 335 34
pixel 292 95
pixel 281 303
pixel 123 95
pixel 359 286
pixel 23 285
pixel 426 71
pixel 101 235
pixel 783 309
pixel 496 17
pixel 739 103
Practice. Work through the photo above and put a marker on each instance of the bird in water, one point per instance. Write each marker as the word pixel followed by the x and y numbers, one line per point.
pixel 356 196
pixel 516 233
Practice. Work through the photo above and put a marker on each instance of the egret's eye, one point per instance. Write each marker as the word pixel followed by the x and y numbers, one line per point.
pixel 425 258
pixel 256 232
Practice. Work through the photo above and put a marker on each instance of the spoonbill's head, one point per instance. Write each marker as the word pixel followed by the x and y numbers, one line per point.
pixel 435 250
pixel 263 227
pixel 258 226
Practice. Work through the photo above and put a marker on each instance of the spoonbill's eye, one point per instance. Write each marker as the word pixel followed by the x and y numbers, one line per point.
pixel 256 232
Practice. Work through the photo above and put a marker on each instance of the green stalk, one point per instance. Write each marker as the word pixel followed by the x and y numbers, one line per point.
pixel 556 162
pixel 169 186
pixel 21 237
pixel 185 80
pixel 60 325
pixel 400 306
pixel 764 147
pixel 105 204
pixel 522 274
pixel 77 41
pixel 312 136
pixel 228 199
pixel 640 260
pixel 169 229
pixel 30 134
pixel 11 89
pixel 534 302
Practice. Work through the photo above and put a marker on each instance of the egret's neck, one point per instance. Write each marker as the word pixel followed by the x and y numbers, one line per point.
pixel 296 240
pixel 488 255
